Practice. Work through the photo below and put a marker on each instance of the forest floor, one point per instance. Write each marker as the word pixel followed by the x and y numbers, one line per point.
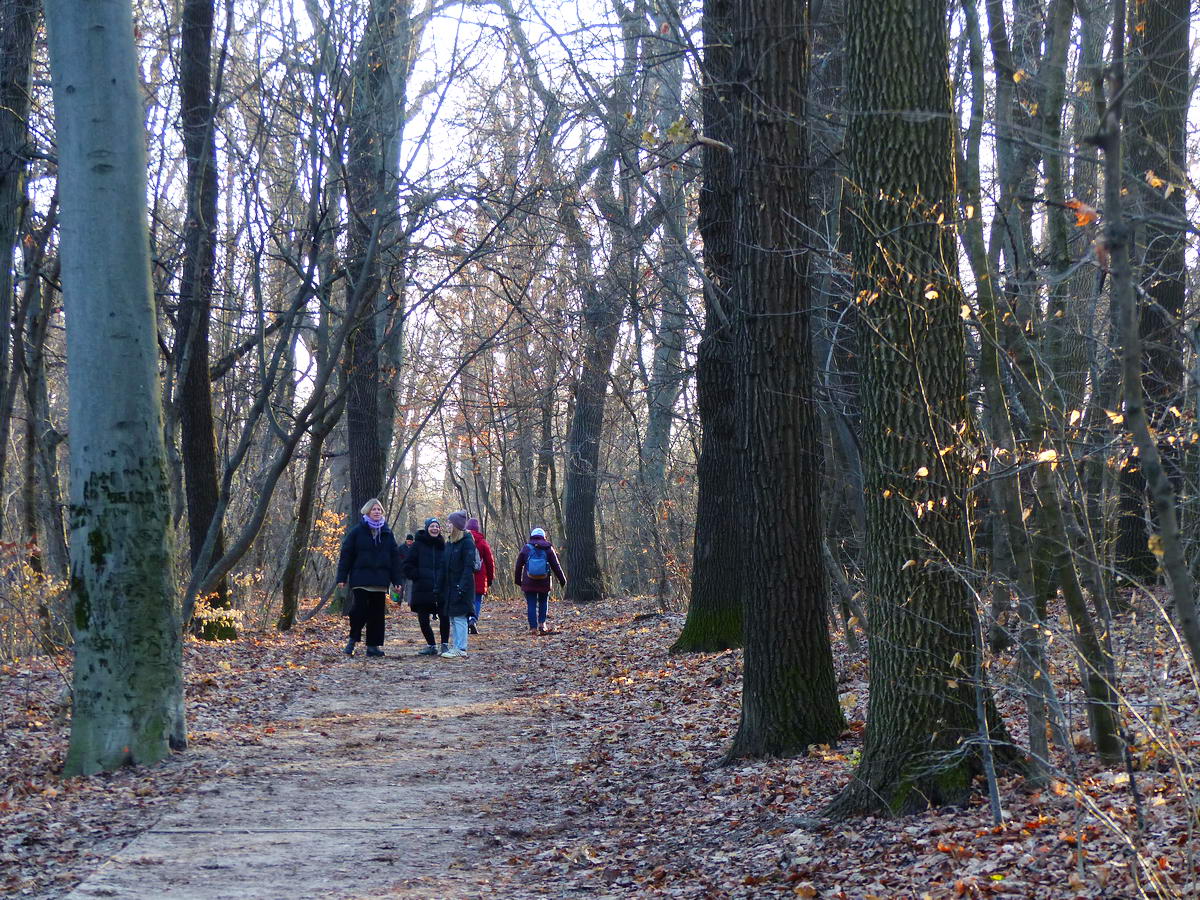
pixel 586 763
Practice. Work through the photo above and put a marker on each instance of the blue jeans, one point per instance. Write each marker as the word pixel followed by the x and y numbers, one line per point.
pixel 458 628
pixel 535 607
pixel 478 606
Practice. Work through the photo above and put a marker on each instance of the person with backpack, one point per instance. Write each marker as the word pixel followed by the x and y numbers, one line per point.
pixel 535 563
pixel 371 563
pixel 486 573
pixel 423 567
pixel 458 583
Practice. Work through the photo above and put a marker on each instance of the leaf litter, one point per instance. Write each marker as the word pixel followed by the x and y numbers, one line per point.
pixel 622 787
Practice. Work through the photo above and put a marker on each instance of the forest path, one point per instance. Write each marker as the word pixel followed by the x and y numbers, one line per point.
pixel 388 778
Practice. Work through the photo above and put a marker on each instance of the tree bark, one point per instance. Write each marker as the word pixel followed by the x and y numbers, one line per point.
pixel 1118 238
pixel 128 687
pixel 789 690
pixel 376 124
pixel 1157 131
pixel 901 191
pixel 714 619
pixel 18 24
pixel 197 431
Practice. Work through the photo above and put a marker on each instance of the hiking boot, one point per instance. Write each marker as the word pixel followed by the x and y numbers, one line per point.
pixel 430 650
pixel 453 653
pixel 349 651
pixel 472 628
pixel 375 651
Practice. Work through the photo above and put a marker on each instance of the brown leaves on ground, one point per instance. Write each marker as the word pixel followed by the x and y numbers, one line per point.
pixel 623 777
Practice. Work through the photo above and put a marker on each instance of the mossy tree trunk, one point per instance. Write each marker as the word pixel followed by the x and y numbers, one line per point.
pixel 901 194
pixel 714 619
pixel 128 689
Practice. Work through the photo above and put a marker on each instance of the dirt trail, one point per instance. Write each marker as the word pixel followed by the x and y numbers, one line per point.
pixel 382 782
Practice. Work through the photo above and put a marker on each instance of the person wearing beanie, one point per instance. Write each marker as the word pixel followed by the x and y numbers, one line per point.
pixel 370 562
pixel 535 563
pixel 424 567
pixel 484 575
pixel 458 583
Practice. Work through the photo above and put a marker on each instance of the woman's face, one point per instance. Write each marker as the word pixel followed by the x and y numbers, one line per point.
pixel 375 513
pixel 435 529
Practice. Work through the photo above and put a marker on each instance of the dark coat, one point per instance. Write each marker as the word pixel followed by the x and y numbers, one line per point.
pixel 538 585
pixel 368 561
pixel 487 572
pixel 458 579
pixel 424 566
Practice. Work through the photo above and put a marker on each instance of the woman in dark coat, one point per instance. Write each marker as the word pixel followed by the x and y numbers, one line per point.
pixel 370 563
pixel 458 583
pixel 423 567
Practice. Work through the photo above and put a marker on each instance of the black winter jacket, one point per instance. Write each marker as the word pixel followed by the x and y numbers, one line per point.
pixel 367 561
pixel 424 566
pixel 458 584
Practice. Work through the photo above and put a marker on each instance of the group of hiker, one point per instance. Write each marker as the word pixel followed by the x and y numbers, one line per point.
pixel 442 575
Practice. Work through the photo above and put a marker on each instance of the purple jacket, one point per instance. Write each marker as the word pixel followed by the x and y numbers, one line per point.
pixel 538 585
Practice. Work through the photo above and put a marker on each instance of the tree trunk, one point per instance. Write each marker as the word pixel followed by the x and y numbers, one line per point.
pixel 376 125
pixel 18 24
pixel 1158 108
pixel 901 189
pixel 197 431
pixel 789 690
pixel 602 320
pixel 714 619
pixel 128 686
pixel 1117 237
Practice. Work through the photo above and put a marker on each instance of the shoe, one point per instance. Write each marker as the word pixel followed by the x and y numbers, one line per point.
pixel 452 653
pixel 349 651
pixel 375 651
pixel 430 650
pixel 472 628
pixel 545 629
pixel 445 647
pixel 533 632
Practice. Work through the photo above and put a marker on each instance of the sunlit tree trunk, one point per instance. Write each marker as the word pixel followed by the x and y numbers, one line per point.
pixel 128 697
pixel 901 192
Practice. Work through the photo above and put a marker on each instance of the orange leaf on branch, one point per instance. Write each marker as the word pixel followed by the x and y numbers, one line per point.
pixel 1084 214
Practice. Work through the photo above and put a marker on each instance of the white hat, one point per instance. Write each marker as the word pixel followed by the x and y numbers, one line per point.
pixel 537 532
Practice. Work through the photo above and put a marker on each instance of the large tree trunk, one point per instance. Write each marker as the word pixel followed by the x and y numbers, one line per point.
pixel 18 23
pixel 128 687
pixel 789 691
pixel 1158 108
pixel 602 320
pixel 901 190
pixel 714 619
pixel 376 125
pixel 1117 235
pixel 197 434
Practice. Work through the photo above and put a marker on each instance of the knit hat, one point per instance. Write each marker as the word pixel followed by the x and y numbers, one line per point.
pixel 537 532
pixel 409 537
pixel 430 521
pixel 472 524
pixel 458 519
